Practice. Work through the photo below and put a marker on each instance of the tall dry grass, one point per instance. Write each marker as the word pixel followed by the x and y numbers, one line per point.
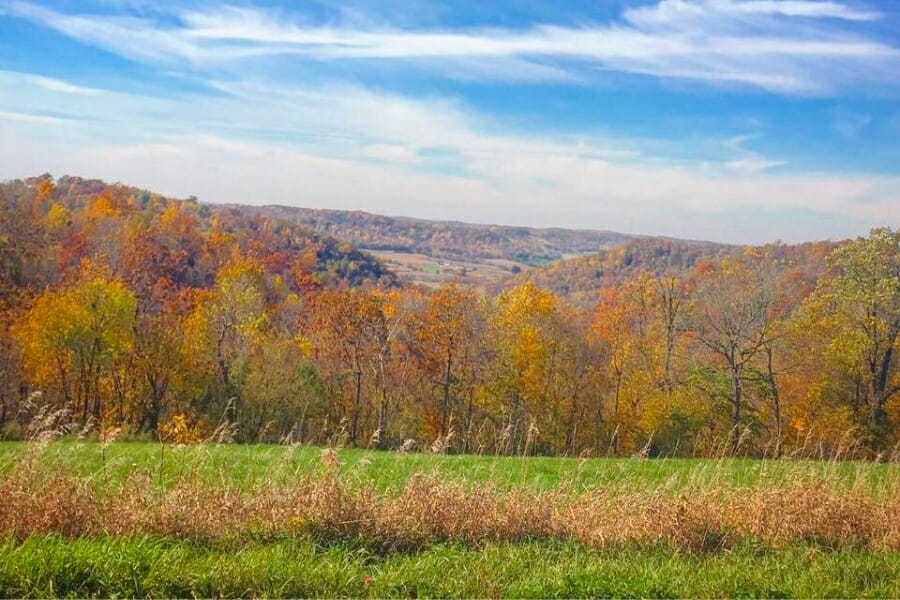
pixel 705 516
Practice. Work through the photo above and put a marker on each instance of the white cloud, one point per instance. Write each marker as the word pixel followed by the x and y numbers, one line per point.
pixel 541 191
pixel 341 145
pixel 24 117
pixel 668 12
pixel 347 147
pixel 57 85
pixel 754 165
pixel 788 46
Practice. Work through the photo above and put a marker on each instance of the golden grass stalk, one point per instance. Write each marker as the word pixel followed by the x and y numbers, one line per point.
pixel 706 516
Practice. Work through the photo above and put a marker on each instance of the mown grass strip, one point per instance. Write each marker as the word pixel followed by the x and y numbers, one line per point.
pixel 51 566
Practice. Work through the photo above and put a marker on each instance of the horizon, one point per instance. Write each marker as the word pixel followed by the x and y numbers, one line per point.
pixel 449 221
pixel 731 121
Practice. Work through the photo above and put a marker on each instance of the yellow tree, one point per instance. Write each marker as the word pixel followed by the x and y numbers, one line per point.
pixel 388 363
pixel 443 338
pixel 612 324
pixel 632 323
pixel 527 354
pixel 282 394
pixel 72 336
pixel 165 366
pixel 228 322
pixel 671 296
pixel 859 309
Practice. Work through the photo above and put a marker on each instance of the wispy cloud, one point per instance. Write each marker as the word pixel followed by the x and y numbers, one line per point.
pixel 26 117
pixel 345 146
pixel 58 85
pixel 788 46
pixel 849 123
pixel 329 140
pixel 687 11
pixel 742 207
pixel 754 165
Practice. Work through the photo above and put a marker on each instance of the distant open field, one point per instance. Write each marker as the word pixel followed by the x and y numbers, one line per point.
pixel 141 519
pixel 432 271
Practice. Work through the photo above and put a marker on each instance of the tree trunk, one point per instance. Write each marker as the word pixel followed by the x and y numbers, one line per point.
pixel 776 399
pixel 615 440
pixel 880 378
pixel 445 407
pixel 469 416
pixel 157 393
pixel 736 409
pixel 571 429
pixel 357 402
pixel 383 418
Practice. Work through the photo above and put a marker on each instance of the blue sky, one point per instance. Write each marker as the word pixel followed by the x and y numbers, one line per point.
pixel 732 120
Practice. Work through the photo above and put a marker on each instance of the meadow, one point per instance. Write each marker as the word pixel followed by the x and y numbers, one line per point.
pixel 144 519
pixel 246 465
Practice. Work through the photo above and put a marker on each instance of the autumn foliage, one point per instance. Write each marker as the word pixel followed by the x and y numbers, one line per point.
pixel 120 308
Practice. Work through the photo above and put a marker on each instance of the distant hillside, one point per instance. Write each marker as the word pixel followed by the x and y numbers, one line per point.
pixel 49 228
pixel 581 278
pixel 429 252
pixel 573 263
pixel 448 239
pixel 301 246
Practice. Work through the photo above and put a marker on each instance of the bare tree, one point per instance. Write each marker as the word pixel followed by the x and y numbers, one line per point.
pixel 734 318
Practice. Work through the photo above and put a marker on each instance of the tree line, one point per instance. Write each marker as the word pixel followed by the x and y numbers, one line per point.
pixel 123 309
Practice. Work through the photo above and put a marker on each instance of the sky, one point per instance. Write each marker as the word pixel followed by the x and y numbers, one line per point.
pixel 742 121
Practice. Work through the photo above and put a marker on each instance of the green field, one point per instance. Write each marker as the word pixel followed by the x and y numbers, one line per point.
pixel 247 465
pixel 258 562
pixel 146 566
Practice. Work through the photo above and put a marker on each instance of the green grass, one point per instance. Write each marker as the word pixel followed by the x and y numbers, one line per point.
pixel 158 567
pixel 246 465
pixel 301 565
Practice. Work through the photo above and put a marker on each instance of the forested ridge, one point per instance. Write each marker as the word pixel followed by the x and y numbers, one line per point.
pixel 447 239
pixel 581 278
pixel 125 310
pixel 573 263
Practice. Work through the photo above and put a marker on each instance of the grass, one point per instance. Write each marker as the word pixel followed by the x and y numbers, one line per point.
pixel 81 519
pixel 247 465
pixel 157 567
pixel 423 270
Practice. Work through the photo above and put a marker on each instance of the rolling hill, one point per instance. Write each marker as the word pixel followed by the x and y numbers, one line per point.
pixel 581 278
pixel 568 261
pixel 50 229
pixel 429 252
pixel 572 263
pixel 355 246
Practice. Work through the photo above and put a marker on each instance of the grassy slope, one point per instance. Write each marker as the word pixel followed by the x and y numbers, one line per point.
pixel 297 566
